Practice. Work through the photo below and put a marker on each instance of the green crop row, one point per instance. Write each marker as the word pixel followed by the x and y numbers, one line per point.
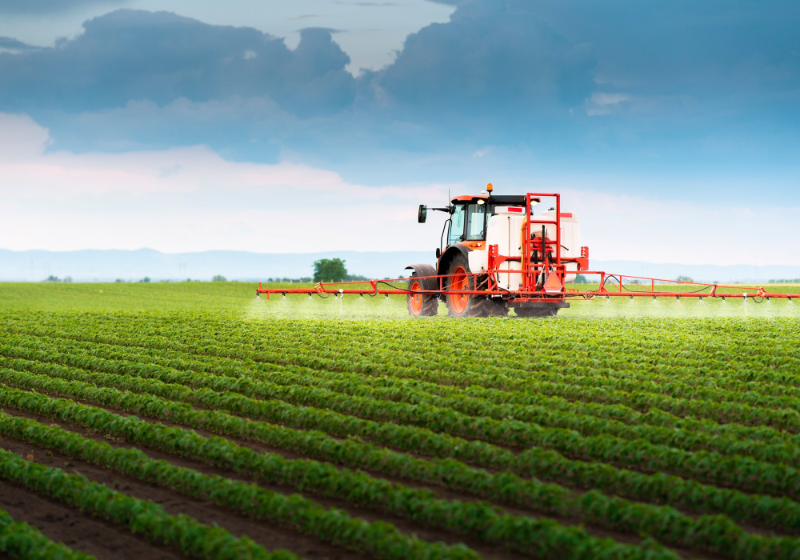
pixel 715 534
pixel 142 517
pixel 336 527
pixel 20 541
pixel 739 472
pixel 610 391
pixel 540 537
pixel 549 413
pixel 632 343
pixel 586 418
pixel 779 514
pixel 575 363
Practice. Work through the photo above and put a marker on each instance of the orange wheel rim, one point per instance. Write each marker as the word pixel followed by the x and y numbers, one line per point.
pixel 459 282
pixel 415 300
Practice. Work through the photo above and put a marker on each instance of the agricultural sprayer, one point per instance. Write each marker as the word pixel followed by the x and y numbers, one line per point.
pixel 495 253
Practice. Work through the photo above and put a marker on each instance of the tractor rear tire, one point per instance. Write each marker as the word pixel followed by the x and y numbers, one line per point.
pixel 529 312
pixel 460 278
pixel 420 305
pixel 498 308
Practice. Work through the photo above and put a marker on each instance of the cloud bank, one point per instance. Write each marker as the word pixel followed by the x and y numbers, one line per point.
pixel 133 55
pixel 191 199
pixel 654 118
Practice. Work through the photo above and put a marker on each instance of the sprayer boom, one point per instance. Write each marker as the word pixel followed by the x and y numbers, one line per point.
pixel 500 255
pixel 611 285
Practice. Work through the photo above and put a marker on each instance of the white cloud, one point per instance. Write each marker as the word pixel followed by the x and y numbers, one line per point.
pixel 604 103
pixel 658 230
pixel 191 199
pixel 21 139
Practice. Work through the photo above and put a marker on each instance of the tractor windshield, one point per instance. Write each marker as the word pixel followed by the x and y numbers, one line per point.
pixel 456 225
pixel 476 222
pixel 467 223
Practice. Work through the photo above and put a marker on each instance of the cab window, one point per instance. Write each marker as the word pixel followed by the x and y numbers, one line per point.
pixel 456 225
pixel 476 222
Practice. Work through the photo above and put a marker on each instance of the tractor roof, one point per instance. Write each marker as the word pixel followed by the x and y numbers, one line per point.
pixel 510 199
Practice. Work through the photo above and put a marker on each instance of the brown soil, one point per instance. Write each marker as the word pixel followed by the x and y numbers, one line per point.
pixel 400 523
pixel 270 537
pixel 64 524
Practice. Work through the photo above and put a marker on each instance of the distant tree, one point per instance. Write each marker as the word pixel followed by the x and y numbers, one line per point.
pixel 52 278
pixel 580 279
pixel 145 279
pixel 68 280
pixel 329 270
pixel 119 280
pixel 219 278
pixel 684 279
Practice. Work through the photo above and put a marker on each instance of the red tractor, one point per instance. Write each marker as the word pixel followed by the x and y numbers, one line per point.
pixel 496 253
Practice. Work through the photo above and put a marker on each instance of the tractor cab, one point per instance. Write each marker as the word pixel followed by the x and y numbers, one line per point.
pixel 469 217
pixel 468 220
pixel 494 254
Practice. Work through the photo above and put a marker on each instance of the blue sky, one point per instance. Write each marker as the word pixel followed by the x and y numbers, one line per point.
pixel 185 125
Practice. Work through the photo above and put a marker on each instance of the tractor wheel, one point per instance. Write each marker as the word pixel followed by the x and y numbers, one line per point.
pixel 421 305
pixel 464 305
pixel 499 308
pixel 536 311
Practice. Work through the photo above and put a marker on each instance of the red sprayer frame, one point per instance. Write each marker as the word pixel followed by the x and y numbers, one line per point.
pixel 543 270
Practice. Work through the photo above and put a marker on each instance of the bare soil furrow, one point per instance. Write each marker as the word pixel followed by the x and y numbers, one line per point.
pixel 401 523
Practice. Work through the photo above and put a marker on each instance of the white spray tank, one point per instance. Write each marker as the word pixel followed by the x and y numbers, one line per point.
pixel 570 238
pixel 504 231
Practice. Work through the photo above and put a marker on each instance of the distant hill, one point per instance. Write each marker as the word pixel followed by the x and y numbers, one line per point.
pixel 109 265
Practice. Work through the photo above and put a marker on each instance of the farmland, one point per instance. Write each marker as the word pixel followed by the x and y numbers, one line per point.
pixel 192 420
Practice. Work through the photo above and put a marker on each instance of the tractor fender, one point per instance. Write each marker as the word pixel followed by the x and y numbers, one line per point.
pixel 447 256
pixel 425 270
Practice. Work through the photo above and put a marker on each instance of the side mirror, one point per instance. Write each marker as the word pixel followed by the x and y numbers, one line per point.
pixel 422 214
pixel 438 252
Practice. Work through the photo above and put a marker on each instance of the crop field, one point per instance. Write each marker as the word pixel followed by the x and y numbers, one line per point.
pixel 194 421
